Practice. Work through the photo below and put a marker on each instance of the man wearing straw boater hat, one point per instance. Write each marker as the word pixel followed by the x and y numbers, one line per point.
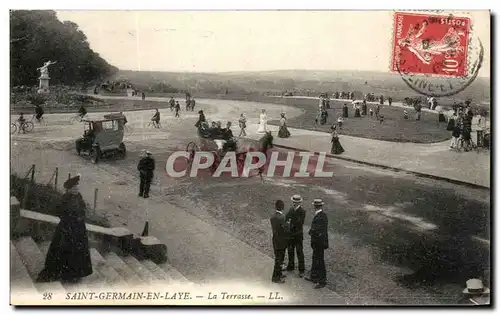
pixel 280 242
pixel 68 257
pixel 319 242
pixel 296 217
pixel 475 293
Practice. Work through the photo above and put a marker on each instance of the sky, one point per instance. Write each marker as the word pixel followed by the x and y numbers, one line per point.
pixel 220 41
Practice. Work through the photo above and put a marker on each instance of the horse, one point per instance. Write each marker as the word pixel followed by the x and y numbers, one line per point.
pixel 265 143
pixel 263 146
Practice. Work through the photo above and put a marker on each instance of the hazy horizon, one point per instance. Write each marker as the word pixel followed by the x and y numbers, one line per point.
pixel 248 41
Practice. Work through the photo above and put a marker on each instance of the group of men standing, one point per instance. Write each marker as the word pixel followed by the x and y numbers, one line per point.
pixel 288 236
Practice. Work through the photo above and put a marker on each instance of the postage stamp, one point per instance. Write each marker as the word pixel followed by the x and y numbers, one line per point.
pixel 430 44
pixel 437 55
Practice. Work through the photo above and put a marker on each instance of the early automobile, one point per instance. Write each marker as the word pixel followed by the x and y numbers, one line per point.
pixel 102 138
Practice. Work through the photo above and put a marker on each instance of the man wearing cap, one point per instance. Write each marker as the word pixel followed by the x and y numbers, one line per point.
pixel 475 293
pixel 68 257
pixel 319 242
pixel 146 169
pixel 296 216
pixel 279 227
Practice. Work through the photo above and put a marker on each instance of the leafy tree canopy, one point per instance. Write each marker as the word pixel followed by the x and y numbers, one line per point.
pixel 37 36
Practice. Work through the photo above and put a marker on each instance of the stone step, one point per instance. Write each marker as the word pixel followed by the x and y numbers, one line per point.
pixel 34 261
pixel 20 281
pixel 141 270
pixel 124 270
pixel 174 273
pixel 158 272
pixel 69 287
pixel 112 279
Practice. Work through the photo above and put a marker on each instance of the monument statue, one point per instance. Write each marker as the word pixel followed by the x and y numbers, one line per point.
pixel 44 70
pixel 44 76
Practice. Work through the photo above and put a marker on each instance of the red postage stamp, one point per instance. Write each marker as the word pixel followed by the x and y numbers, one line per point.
pixel 430 44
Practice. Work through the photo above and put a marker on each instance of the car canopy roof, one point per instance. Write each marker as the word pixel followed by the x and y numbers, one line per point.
pixel 108 117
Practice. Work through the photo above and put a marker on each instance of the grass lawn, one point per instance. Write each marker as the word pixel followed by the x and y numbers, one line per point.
pixel 394 127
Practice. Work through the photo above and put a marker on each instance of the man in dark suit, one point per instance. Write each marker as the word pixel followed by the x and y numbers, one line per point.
pixel 146 169
pixel 279 227
pixel 319 242
pixel 295 217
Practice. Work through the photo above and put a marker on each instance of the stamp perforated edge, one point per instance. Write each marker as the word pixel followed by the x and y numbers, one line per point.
pixel 444 13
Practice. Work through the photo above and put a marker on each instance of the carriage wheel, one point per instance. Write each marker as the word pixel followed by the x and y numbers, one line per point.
pixel 191 149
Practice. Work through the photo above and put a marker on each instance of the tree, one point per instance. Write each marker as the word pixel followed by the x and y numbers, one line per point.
pixel 38 36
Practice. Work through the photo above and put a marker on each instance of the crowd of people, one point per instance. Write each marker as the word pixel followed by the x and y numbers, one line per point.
pixel 460 124
pixel 68 258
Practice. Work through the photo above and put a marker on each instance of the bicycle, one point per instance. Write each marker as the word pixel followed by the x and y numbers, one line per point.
pixel 154 124
pixel 26 126
pixel 77 118
pixel 467 146
pixel 41 121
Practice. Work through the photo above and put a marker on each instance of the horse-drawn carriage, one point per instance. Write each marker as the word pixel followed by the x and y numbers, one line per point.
pixel 219 141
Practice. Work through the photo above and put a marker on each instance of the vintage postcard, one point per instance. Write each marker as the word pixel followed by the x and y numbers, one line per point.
pixel 250 157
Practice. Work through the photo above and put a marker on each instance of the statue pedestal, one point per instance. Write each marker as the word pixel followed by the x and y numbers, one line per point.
pixel 44 84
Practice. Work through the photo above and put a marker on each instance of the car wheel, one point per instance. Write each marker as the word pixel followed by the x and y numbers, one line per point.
pixel 122 150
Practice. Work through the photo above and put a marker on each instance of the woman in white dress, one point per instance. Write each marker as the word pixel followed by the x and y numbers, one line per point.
pixel 263 122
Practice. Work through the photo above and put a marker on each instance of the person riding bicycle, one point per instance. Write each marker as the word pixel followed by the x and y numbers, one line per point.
pixel 82 111
pixel 156 118
pixel 22 122
pixel 39 112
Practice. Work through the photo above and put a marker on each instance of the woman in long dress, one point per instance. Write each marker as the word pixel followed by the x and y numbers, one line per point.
pixel 283 131
pixel 336 146
pixel 68 258
pixel 263 122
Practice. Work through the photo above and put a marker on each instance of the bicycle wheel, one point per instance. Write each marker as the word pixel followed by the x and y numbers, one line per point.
pixel 13 128
pixel 73 120
pixel 28 126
